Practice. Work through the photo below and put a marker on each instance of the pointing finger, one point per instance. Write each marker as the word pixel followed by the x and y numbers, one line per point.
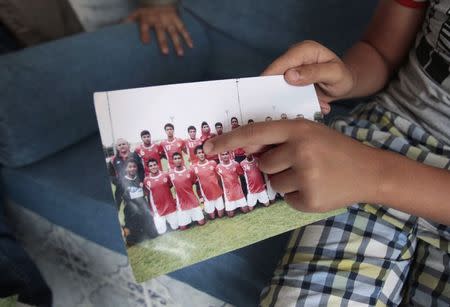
pixel 263 133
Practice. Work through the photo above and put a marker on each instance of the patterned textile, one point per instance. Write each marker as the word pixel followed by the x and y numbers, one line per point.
pixel 370 255
pixel 82 273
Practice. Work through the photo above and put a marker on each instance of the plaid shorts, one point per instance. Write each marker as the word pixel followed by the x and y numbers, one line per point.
pixel 370 255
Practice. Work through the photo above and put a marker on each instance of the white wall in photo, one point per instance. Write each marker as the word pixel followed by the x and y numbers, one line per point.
pixel 271 96
pixel 132 111
pixel 125 113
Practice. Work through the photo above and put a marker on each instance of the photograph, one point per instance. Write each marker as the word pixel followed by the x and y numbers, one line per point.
pixel 178 205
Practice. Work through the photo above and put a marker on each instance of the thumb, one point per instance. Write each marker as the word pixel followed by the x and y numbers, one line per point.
pixel 306 52
pixel 324 73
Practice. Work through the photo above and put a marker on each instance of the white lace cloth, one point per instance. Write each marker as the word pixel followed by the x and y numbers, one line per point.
pixel 82 273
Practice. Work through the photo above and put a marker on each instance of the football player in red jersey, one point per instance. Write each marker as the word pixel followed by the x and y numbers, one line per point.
pixel 206 135
pixel 229 172
pixel 219 128
pixel 147 151
pixel 172 145
pixel 206 132
pixel 209 184
pixel 255 182
pixel 160 198
pixel 191 143
pixel 183 179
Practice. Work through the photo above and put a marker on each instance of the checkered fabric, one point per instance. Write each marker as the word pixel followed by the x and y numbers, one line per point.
pixel 370 255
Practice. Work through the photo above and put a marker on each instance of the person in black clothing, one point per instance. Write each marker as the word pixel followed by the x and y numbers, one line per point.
pixel 116 168
pixel 239 155
pixel 138 220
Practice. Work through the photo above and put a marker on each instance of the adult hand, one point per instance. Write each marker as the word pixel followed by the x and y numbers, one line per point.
pixel 318 168
pixel 309 62
pixel 164 19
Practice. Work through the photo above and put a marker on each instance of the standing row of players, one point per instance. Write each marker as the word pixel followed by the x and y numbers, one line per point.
pixel 140 180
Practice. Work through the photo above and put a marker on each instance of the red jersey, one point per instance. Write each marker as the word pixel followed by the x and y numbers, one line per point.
pixel 183 181
pixel 253 176
pixel 176 145
pixel 190 146
pixel 154 151
pixel 206 137
pixel 230 180
pixel 207 177
pixel 160 196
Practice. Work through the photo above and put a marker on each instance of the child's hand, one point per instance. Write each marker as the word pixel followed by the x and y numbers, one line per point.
pixel 309 62
pixel 318 168
pixel 163 19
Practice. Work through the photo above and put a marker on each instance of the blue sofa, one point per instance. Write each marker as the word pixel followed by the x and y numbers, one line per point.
pixel 54 182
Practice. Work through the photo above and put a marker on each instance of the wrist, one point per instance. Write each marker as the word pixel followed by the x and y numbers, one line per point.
pixel 391 170
pixel 380 183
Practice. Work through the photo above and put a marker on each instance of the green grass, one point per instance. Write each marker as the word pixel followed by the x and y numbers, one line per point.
pixel 10 301
pixel 178 249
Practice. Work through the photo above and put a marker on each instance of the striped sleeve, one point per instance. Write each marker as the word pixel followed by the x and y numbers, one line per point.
pixel 415 4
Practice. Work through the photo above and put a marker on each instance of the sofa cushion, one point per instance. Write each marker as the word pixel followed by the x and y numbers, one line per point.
pixel 271 26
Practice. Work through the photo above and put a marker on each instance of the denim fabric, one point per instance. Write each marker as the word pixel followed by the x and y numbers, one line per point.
pixel 72 190
pixel 47 101
pixel 19 275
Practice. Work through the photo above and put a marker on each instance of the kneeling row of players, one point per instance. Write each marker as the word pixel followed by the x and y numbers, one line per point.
pixel 218 188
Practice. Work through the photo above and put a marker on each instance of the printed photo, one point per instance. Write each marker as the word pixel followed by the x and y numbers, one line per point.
pixel 176 204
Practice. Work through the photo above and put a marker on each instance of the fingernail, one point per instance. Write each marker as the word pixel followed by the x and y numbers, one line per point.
pixel 292 75
pixel 208 147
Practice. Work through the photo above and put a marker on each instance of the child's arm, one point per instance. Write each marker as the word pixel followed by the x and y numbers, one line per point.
pixel 384 47
pixel 366 67
pixel 320 169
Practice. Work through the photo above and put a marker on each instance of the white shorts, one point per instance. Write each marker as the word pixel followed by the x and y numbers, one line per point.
pixel 185 217
pixel 211 205
pixel 262 197
pixel 232 205
pixel 160 222
pixel 270 192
